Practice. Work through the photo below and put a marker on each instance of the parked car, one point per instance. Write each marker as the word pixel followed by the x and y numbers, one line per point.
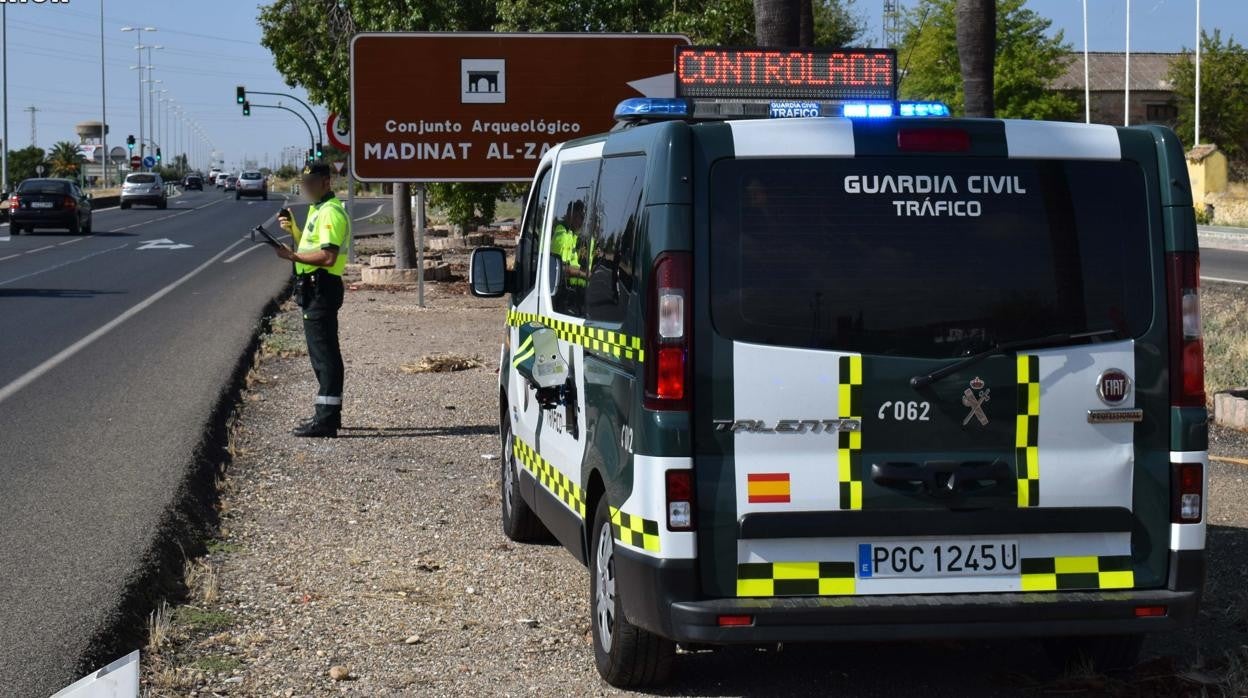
pixel 144 188
pixel 49 203
pixel 193 182
pixel 231 183
pixel 252 183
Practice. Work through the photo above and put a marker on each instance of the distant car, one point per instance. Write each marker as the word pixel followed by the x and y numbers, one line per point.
pixel 221 178
pixel 49 203
pixel 231 183
pixel 212 176
pixel 193 182
pixel 252 183
pixel 143 188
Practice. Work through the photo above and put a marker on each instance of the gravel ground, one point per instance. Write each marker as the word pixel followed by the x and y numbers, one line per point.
pixel 378 556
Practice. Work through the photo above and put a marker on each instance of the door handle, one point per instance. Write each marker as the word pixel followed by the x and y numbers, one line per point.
pixel 946 480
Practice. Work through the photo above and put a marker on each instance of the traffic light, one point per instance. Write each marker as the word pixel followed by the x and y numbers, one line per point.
pixel 318 150
pixel 246 108
pixel 240 94
pixel 130 142
pixel 309 155
pixel 158 155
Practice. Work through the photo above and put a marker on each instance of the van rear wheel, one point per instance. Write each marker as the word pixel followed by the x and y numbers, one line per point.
pixel 519 522
pixel 627 656
pixel 1103 654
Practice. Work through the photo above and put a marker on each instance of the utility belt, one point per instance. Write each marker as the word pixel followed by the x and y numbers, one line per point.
pixel 320 283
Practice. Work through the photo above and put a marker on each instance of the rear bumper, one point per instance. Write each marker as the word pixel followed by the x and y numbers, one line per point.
pixel 36 217
pixel 142 198
pixel 660 595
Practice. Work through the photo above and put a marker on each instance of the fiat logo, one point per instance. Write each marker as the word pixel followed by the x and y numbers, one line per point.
pixel 1113 386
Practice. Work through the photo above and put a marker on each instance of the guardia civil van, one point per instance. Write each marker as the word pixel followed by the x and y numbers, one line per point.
pixel 870 373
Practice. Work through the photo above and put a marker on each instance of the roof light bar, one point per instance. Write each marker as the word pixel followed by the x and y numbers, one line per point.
pixel 922 109
pixel 867 110
pixel 638 108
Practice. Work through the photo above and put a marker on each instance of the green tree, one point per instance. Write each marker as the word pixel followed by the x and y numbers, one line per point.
pixel 467 204
pixel 65 159
pixel 1223 98
pixel 22 163
pixel 1028 59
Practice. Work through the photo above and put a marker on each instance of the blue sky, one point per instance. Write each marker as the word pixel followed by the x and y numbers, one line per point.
pixel 212 46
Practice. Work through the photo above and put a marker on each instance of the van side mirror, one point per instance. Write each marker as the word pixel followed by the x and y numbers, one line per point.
pixel 487 272
pixel 537 358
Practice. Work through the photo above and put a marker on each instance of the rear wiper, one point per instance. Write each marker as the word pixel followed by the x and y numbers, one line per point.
pixel 925 380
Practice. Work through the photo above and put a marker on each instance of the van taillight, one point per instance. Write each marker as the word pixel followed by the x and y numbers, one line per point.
pixel 679 493
pixel 1187 352
pixel 14 201
pixel 1187 487
pixel 933 140
pixel 667 333
pixel 69 203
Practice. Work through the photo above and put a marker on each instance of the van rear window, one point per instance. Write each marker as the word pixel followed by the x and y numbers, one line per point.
pixel 927 258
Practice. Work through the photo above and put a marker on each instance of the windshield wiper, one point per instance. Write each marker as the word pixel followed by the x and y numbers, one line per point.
pixel 927 379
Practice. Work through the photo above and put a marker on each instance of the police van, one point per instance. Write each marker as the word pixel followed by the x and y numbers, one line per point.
pixel 871 373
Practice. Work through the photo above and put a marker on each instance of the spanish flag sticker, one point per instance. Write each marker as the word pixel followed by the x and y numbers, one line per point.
pixel 768 488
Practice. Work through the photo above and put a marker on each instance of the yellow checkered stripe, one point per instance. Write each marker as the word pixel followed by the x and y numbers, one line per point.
pixel 634 530
pixel 549 477
pixel 761 579
pixel 616 344
pixel 849 446
pixel 1074 573
pixel 1027 431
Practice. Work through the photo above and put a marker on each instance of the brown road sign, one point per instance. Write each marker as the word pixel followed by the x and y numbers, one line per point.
pixel 486 107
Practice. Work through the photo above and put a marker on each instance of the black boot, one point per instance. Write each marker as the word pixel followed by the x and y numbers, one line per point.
pixel 315 429
pixel 334 420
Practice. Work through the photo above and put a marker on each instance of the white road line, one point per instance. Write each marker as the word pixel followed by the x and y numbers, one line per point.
pixel 69 242
pixel 62 264
pixel 1225 281
pixel 240 254
pixel 364 218
pixel 68 352
pixel 40 249
pixel 19 254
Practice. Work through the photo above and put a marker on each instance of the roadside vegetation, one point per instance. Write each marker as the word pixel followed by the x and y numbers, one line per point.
pixel 1225 315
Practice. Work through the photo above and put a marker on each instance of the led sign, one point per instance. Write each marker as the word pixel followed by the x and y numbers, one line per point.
pixel 793 74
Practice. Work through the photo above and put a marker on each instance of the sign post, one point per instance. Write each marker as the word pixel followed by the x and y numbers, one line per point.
pixel 486 107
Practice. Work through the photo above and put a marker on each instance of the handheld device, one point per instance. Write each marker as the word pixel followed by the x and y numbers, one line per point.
pixel 286 212
pixel 268 237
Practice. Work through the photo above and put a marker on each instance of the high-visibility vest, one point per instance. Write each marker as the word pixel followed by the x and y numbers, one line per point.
pixel 327 224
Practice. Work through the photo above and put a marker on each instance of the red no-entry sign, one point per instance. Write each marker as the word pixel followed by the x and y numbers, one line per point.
pixel 135 162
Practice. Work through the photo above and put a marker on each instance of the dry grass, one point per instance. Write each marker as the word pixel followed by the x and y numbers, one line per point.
pixel 201 580
pixel 441 363
pixel 159 627
pixel 1225 315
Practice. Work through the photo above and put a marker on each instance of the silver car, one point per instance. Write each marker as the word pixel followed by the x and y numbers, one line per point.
pixel 251 183
pixel 144 188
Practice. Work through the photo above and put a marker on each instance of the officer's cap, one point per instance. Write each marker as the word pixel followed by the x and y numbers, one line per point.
pixel 314 171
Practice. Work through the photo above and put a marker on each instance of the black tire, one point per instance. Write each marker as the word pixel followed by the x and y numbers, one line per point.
pixel 1107 654
pixel 15 229
pixel 86 229
pixel 519 522
pixel 125 205
pixel 237 197
pixel 635 658
pixel 265 196
pixel 75 228
pixel 164 204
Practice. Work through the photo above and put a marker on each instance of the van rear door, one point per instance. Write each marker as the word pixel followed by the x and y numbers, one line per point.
pixel 840 289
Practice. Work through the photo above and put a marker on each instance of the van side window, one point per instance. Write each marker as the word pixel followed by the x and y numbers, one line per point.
pixel 616 218
pixel 530 243
pixel 570 241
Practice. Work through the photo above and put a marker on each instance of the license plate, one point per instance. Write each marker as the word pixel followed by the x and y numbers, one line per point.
pixel 41 204
pixel 946 558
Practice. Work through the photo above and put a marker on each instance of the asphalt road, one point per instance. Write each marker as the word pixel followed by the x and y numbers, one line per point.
pixel 1224 264
pixel 114 349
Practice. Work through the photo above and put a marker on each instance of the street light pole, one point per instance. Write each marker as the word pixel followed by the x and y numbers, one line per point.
pixel 107 164
pixel 139 49
pixel 1197 133
pixel 4 70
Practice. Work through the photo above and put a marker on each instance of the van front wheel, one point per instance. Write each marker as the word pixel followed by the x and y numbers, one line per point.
pixel 519 522
pixel 627 656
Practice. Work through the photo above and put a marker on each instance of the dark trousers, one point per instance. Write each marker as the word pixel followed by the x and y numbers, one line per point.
pixel 320 295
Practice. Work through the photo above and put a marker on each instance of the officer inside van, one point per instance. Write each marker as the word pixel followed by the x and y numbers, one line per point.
pixel 566 245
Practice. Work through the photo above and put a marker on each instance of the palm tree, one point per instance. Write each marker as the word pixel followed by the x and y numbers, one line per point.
pixel 778 22
pixel 977 46
pixel 65 159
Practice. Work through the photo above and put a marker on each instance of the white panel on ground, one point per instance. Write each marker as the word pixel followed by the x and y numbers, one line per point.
pixel 117 680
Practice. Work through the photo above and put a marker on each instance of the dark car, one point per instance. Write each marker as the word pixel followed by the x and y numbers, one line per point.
pixel 193 182
pixel 49 203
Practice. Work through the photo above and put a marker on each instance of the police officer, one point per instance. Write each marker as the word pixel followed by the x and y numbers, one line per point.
pixel 566 244
pixel 320 256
